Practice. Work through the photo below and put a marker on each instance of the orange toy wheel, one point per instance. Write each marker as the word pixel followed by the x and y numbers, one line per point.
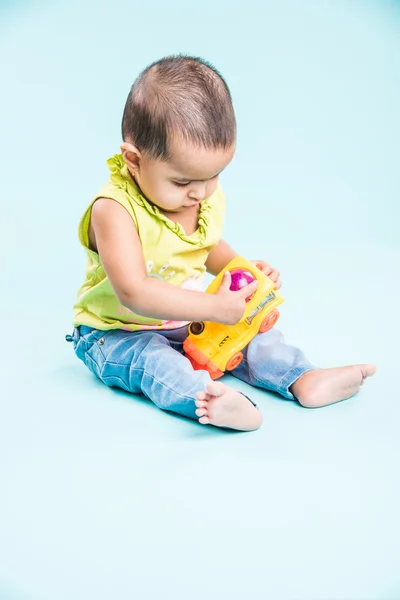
pixel 269 321
pixel 234 361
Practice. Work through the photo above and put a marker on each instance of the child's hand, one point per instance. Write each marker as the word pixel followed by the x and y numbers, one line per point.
pixel 231 305
pixel 269 271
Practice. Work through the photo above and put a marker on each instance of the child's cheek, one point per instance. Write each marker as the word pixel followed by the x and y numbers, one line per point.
pixel 175 194
pixel 211 187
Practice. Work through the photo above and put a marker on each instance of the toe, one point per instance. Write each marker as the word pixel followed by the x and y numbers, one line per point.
pixel 200 396
pixel 368 370
pixel 201 412
pixel 204 420
pixel 201 403
pixel 215 388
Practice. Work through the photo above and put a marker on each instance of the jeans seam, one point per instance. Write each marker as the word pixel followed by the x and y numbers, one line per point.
pixel 118 378
pixel 166 386
pixel 92 361
pixel 145 372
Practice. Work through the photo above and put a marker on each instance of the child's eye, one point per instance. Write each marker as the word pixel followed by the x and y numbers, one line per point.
pixel 180 184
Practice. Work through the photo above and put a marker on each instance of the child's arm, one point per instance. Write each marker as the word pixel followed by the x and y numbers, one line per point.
pixel 120 251
pixel 219 257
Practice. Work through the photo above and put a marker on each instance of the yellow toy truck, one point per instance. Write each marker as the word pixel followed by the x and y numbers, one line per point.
pixel 215 347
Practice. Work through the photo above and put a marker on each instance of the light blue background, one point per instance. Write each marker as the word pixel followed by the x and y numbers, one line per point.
pixel 102 495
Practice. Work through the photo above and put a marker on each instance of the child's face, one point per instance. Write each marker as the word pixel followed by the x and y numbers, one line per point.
pixel 182 182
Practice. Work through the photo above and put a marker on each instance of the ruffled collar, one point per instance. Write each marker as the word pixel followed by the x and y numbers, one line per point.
pixel 122 179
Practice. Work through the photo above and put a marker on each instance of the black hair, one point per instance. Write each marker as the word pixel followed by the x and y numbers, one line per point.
pixel 182 96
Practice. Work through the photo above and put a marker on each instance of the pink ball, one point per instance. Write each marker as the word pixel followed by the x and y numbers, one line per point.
pixel 240 278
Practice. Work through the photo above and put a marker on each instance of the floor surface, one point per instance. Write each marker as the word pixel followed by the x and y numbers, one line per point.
pixel 102 495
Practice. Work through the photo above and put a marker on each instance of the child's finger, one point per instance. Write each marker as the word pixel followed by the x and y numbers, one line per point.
pixel 274 275
pixel 226 280
pixel 264 267
pixel 249 289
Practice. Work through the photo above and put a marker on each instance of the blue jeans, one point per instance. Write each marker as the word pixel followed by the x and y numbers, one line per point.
pixel 153 363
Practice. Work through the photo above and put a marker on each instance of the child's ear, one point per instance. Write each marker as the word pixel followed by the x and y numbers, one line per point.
pixel 131 155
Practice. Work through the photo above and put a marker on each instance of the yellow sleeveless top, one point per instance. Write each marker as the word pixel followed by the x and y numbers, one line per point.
pixel 170 254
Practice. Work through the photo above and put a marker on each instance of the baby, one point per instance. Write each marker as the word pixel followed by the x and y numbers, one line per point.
pixel 150 235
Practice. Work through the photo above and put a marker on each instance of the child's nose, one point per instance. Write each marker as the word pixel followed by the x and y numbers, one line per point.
pixel 198 192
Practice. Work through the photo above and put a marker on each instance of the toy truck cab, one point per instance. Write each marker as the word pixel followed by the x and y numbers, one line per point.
pixel 215 347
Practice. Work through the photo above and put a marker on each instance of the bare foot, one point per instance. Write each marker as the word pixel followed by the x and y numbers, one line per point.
pixel 222 406
pixel 326 386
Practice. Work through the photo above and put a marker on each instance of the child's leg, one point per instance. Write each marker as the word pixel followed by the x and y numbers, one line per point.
pixel 271 364
pixel 147 362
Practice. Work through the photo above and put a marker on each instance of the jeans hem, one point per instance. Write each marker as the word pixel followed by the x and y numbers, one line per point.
pixel 290 378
